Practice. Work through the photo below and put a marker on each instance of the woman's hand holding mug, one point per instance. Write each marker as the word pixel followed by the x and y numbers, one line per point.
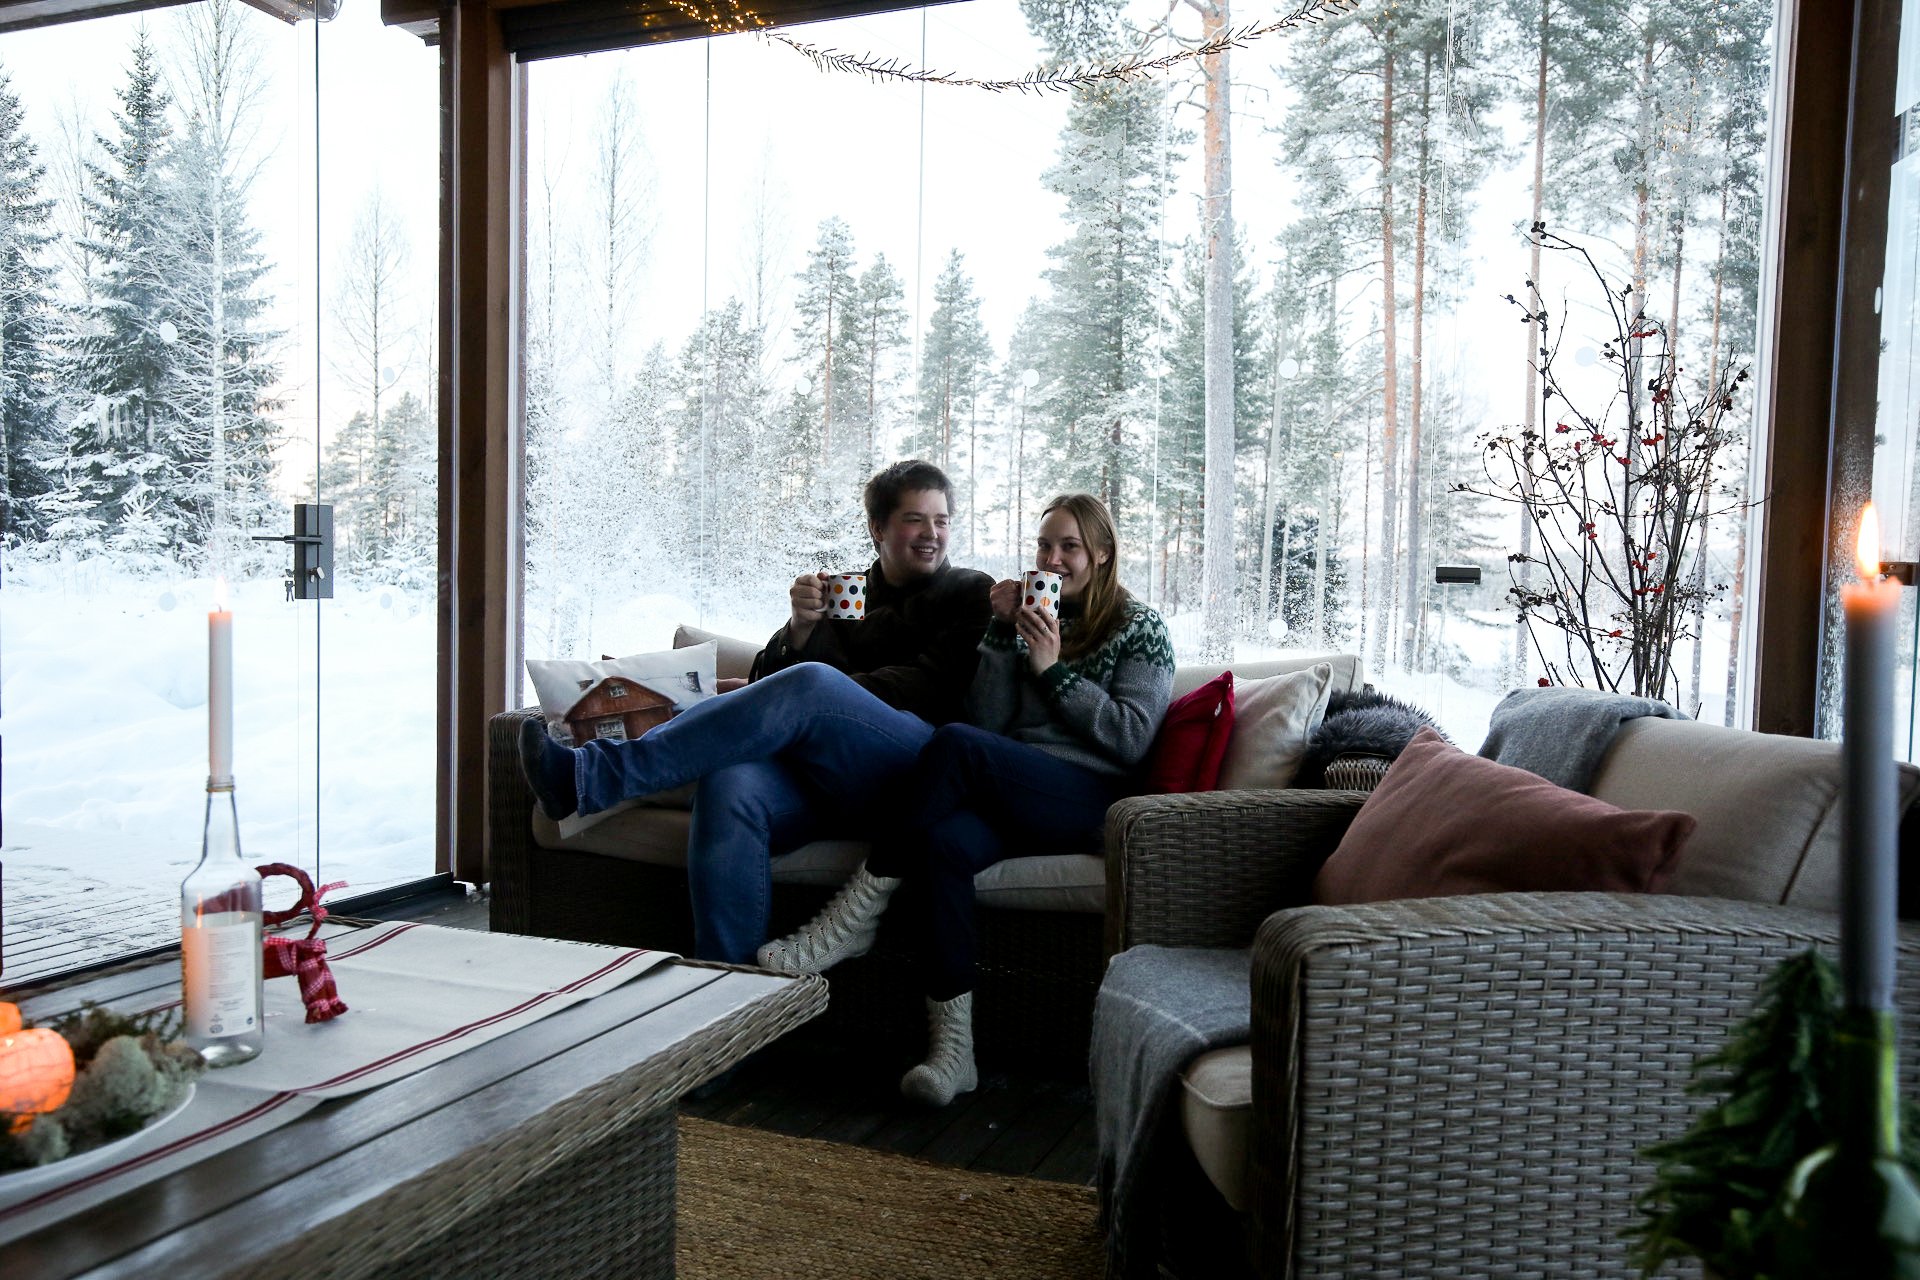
pixel 1042 632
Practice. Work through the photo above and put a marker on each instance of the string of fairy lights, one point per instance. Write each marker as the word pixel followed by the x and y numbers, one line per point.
pixel 729 17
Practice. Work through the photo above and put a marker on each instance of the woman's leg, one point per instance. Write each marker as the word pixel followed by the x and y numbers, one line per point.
pixel 834 733
pixel 977 798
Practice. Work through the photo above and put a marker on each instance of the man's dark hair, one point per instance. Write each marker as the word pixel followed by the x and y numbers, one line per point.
pixel 912 476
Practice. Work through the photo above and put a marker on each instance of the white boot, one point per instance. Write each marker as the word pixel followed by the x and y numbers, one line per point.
pixel 948 1070
pixel 843 929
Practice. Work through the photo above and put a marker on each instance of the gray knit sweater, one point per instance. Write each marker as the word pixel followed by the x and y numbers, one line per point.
pixel 1100 711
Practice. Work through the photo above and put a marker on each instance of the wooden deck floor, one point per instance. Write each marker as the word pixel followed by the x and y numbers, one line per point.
pixel 810 1087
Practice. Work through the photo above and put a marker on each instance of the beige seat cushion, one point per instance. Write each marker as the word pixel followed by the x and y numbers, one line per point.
pixel 732 658
pixel 658 837
pixel 1767 806
pixel 1216 1113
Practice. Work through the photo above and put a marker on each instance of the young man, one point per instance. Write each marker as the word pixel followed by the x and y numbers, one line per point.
pixel 834 715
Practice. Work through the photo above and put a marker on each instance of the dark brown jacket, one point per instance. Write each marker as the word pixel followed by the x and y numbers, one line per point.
pixel 915 650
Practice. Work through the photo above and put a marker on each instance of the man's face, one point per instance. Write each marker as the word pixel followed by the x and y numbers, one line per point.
pixel 913 541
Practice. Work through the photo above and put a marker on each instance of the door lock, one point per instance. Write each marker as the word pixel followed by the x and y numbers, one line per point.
pixel 311 576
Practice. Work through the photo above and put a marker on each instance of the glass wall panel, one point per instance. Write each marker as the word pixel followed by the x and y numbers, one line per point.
pixel 756 275
pixel 1896 459
pixel 216 257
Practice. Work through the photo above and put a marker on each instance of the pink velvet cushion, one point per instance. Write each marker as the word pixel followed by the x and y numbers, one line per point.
pixel 1444 822
pixel 1193 739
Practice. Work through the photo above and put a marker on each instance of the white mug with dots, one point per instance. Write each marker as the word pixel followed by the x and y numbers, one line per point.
pixel 847 597
pixel 1042 591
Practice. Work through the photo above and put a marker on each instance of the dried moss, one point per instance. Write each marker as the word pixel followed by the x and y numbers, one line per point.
pixel 129 1069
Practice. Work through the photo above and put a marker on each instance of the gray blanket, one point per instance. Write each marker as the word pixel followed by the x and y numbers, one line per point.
pixel 1157 1009
pixel 1561 732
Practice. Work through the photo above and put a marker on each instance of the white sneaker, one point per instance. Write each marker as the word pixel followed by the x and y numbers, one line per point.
pixel 845 928
pixel 948 1071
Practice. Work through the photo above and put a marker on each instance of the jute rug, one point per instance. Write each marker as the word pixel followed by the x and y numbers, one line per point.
pixel 755 1204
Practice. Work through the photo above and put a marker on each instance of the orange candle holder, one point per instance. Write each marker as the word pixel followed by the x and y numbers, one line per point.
pixel 36 1074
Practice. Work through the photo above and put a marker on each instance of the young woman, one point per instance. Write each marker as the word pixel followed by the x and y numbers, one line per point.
pixel 1061 714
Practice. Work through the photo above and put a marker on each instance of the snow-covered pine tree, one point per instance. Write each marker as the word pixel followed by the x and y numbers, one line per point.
pixel 1297 571
pixel 344 483
pixel 222 388
pixel 27 390
pixel 1321 409
pixel 402 473
pixel 1106 279
pixel 828 291
pixel 120 428
pixel 1452 87
pixel 1184 491
pixel 872 336
pixel 371 321
pixel 1024 481
pixel 955 360
pixel 720 436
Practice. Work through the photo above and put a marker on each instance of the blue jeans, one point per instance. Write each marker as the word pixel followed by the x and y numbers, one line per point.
pixel 975 798
pixel 770 759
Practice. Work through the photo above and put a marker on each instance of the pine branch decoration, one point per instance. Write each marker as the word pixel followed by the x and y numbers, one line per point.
pixel 1716 1193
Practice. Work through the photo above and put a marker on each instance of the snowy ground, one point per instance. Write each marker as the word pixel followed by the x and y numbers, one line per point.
pixel 103 692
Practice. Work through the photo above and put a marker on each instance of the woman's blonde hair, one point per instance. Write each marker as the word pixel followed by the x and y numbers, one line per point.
pixel 1104 604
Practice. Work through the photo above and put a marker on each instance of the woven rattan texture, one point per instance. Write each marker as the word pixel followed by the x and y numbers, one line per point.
pixel 1038 969
pixel 1460 1086
pixel 607 1211
pixel 1203 870
pixel 390 1226
pixel 1356 773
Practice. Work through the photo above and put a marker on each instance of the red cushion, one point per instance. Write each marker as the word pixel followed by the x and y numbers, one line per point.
pixel 1193 739
pixel 1444 822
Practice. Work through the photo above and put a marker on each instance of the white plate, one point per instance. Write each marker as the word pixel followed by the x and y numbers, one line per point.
pixel 19 1180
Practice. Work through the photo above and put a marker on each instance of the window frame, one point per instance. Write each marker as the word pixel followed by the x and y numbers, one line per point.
pixel 1826 75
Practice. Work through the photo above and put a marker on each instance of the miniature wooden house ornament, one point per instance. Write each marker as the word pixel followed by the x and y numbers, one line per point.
pixel 617 708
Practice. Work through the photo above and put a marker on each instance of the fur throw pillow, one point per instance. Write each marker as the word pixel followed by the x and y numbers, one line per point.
pixel 1360 723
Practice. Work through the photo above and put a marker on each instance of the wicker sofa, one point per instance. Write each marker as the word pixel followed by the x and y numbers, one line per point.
pixel 624 881
pixel 1455 1086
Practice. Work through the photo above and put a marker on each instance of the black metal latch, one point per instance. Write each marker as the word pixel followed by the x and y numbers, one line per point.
pixel 311 577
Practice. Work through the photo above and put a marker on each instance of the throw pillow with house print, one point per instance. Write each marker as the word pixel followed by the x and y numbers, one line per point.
pixel 620 698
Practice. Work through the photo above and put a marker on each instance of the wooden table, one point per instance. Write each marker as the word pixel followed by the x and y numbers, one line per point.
pixel 546 1152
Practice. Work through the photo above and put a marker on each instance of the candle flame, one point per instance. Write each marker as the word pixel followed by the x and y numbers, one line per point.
pixel 219 595
pixel 1867 548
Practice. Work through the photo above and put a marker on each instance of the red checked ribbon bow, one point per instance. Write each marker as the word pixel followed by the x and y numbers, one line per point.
pixel 306 958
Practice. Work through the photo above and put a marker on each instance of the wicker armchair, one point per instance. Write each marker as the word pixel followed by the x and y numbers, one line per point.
pixel 1448 1086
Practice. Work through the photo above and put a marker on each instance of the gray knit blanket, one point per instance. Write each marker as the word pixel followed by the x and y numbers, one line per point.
pixel 1561 732
pixel 1158 1008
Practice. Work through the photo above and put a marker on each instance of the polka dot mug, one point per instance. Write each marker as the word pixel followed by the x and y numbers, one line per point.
pixel 847 597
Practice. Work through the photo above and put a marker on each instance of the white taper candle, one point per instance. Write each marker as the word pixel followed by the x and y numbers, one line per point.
pixel 220 688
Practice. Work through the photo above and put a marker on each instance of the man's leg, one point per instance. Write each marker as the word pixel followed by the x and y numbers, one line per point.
pixel 836 733
pixel 743 815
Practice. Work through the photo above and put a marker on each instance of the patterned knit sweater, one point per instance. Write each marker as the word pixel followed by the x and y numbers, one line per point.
pixel 1100 711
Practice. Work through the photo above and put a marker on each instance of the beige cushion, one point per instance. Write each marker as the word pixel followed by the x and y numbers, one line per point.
pixel 1216 1113
pixel 1346 670
pixel 658 837
pixel 1271 720
pixel 1767 805
pixel 733 658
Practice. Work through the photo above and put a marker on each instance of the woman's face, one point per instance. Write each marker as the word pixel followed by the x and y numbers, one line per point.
pixel 1060 549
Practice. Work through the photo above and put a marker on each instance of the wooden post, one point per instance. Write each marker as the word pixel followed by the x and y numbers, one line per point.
pixel 482 156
